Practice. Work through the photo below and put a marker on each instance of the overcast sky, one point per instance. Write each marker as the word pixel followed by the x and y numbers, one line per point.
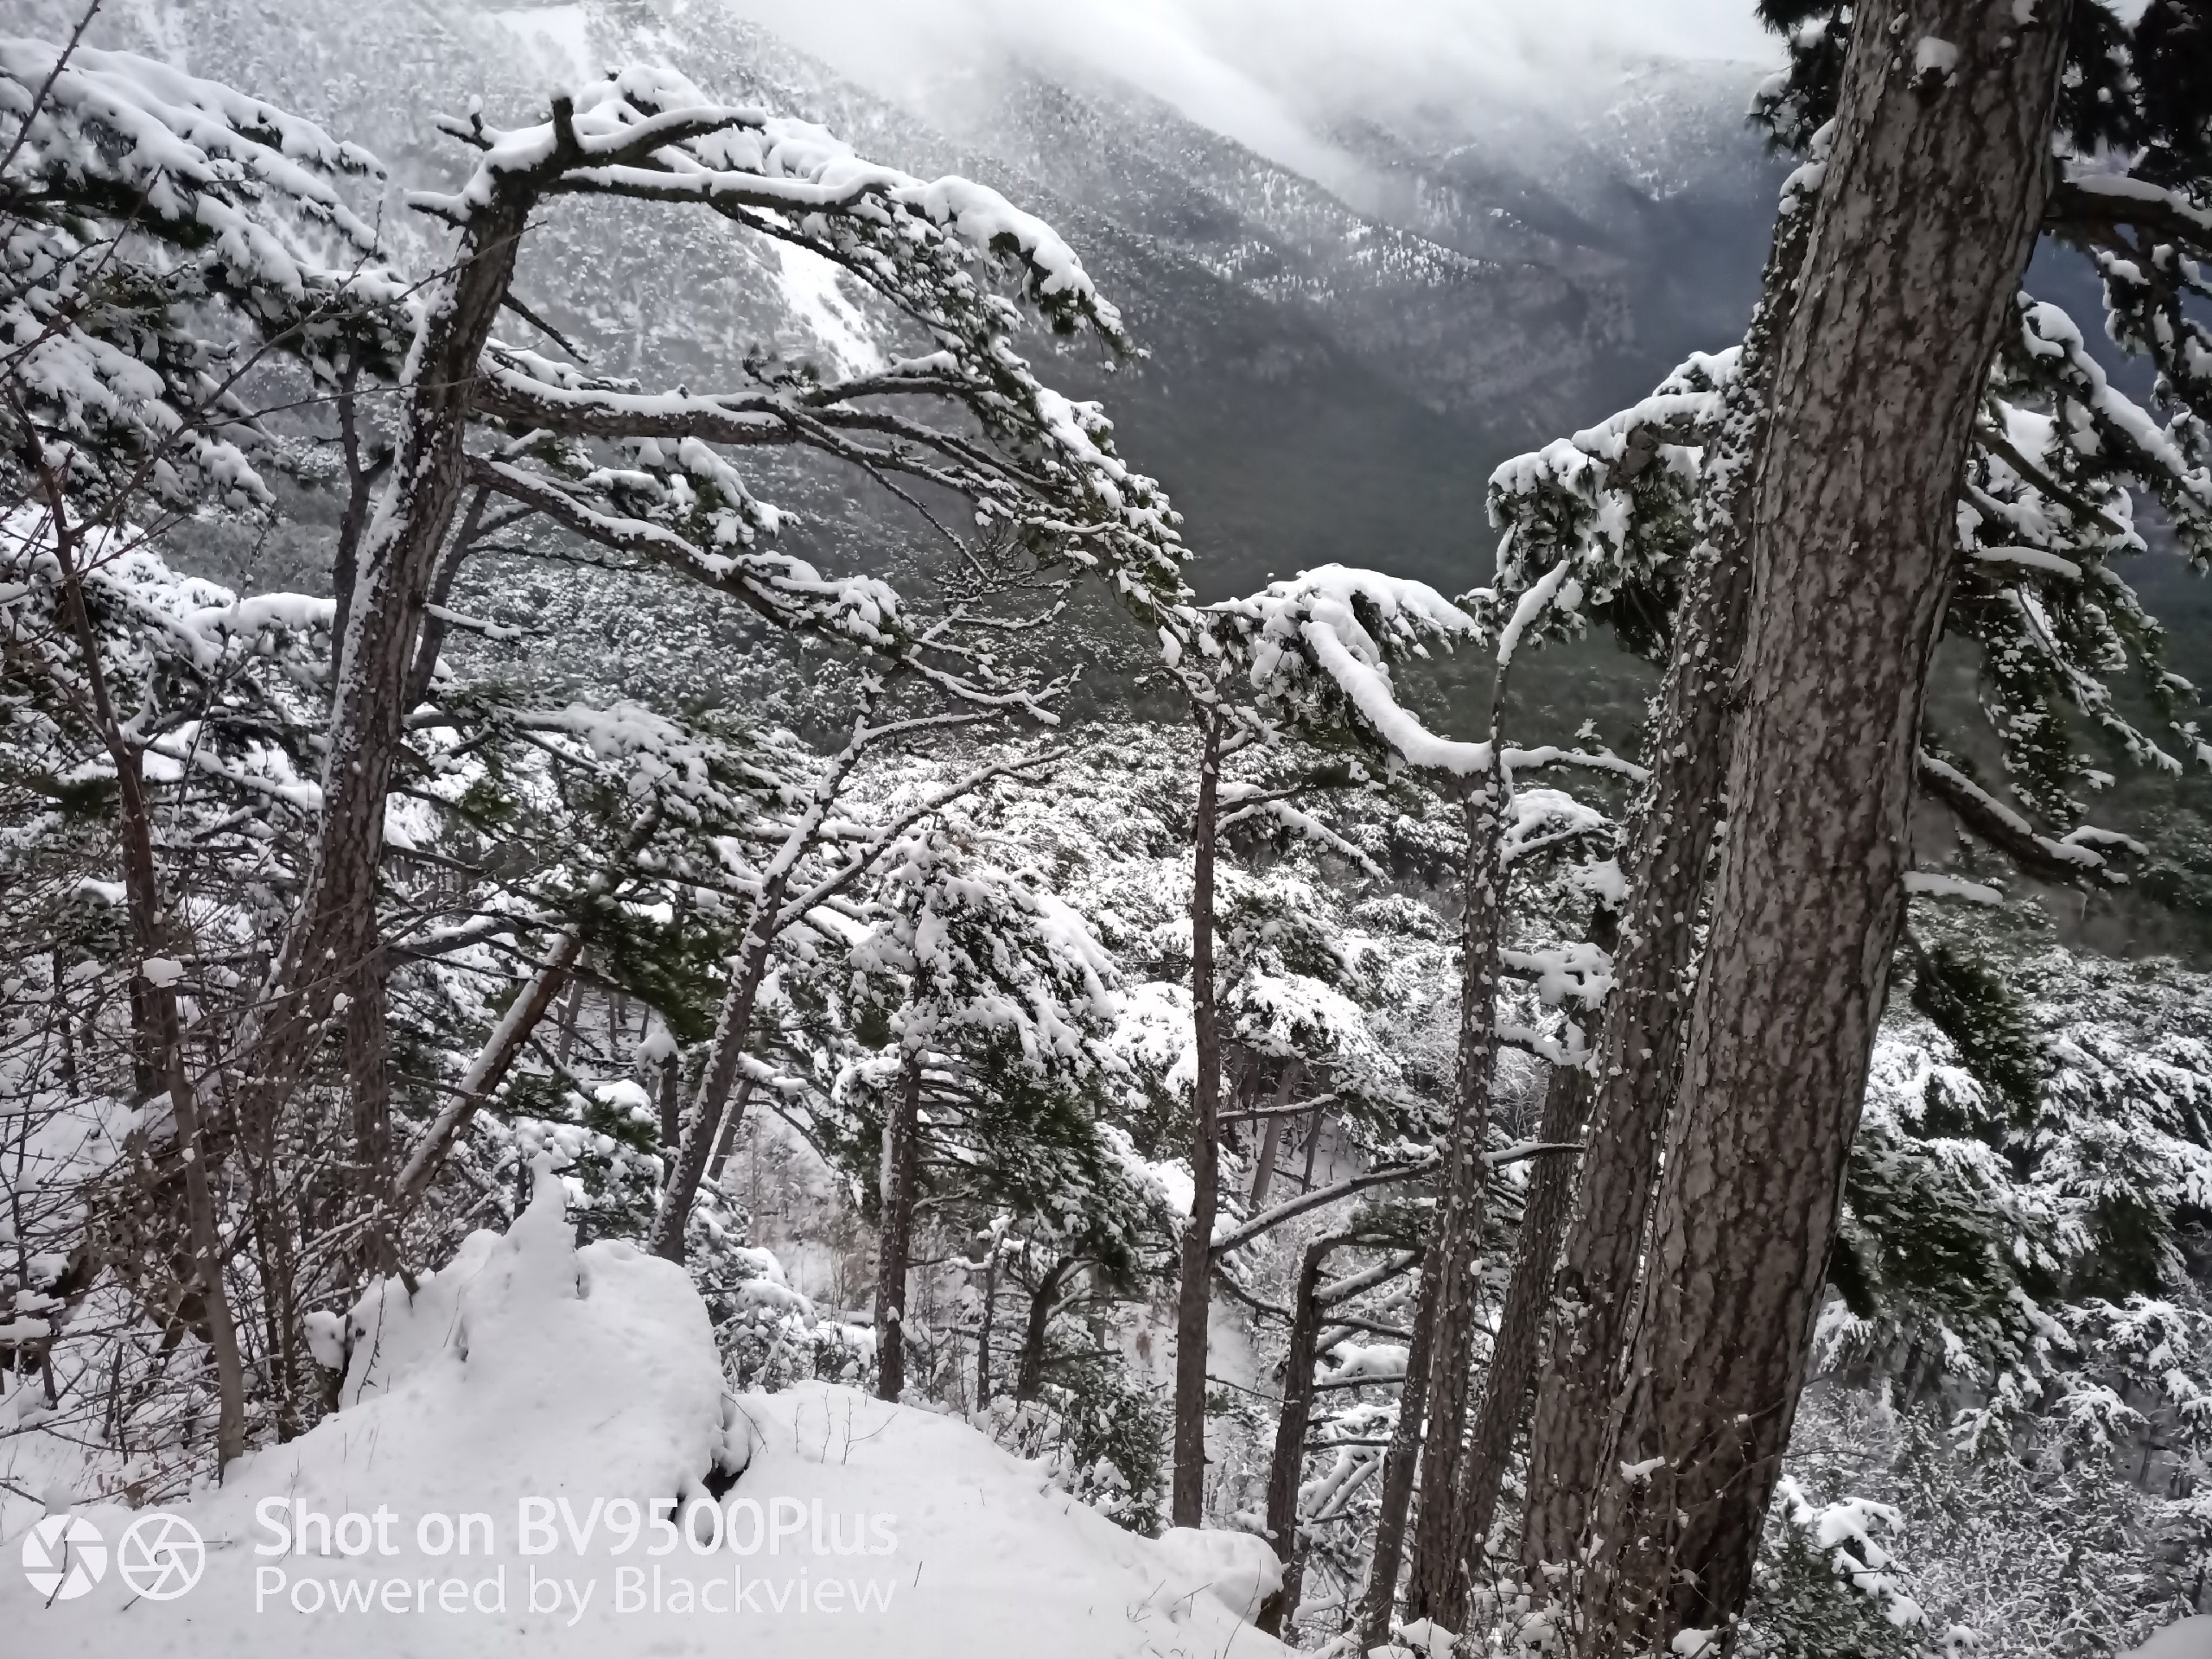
pixel 1264 70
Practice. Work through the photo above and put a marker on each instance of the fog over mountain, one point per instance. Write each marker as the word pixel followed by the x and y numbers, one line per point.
pixel 1368 261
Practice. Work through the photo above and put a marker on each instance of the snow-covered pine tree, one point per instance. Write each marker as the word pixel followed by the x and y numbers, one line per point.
pixel 1746 1208
pixel 140 209
pixel 2045 494
pixel 222 187
pixel 1319 649
pixel 994 999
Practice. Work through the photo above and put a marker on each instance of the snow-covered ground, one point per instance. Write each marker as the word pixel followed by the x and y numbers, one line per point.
pixel 571 1397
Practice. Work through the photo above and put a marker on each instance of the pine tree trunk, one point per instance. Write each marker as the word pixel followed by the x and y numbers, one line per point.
pixel 671 1092
pixel 1029 1375
pixel 571 1011
pixel 368 1075
pixel 1518 1347
pixel 493 1063
pixel 150 936
pixel 1436 1358
pixel 326 937
pixel 432 645
pixel 732 1031
pixel 734 1025
pixel 1646 1011
pixel 1927 218
pixel 1271 1143
pixel 1288 1462
pixel 1194 1300
pixel 983 1330
pixel 894 1237
pixel 362 472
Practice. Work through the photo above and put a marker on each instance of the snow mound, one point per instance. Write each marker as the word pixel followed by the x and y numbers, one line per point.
pixel 2189 1639
pixel 534 1453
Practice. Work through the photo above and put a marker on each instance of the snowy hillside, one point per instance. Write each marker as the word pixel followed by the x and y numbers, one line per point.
pixel 754 899
pixel 559 1392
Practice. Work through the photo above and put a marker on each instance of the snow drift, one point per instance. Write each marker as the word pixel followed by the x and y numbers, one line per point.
pixel 534 1453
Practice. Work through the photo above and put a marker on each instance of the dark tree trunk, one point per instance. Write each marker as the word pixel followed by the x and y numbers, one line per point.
pixel 733 1121
pixel 1029 1376
pixel 363 469
pixel 150 937
pixel 1504 1397
pixel 368 1075
pixel 490 1068
pixel 724 1058
pixel 1194 1300
pixel 670 1091
pixel 1263 1176
pixel 571 1011
pixel 1670 840
pixel 1929 212
pixel 327 937
pixel 433 642
pixel 983 1330
pixel 895 1236
pixel 1289 1460
pixel 1436 1358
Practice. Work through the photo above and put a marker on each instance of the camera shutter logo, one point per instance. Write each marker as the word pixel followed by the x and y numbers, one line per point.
pixel 63 1557
pixel 162 1556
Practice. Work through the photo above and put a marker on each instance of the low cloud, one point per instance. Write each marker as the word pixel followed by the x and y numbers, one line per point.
pixel 1270 73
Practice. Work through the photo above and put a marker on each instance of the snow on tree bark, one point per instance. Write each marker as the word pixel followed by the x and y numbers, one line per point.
pixel 895 1234
pixel 1929 210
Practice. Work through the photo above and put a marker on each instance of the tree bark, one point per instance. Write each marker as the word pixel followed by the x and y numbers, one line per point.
pixel 431 645
pixel 149 934
pixel 327 934
pixel 1935 189
pixel 669 1088
pixel 490 1067
pixel 1514 1355
pixel 368 1076
pixel 362 472
pixel 1669 845
pixel 732 1030
pixel 1194 1300
pixel 894 1237
pixel 734 1027
pixel 1029 1376
pixel 1436 1358
pixel 1271 1143
pixel 1288 1462
pixel 983 1329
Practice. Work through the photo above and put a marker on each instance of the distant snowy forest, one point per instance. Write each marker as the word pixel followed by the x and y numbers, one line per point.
pixel 640 862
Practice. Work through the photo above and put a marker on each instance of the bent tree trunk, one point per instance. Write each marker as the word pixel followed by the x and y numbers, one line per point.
pixel 1436 1358
pixel 1646 1011
pixel 732 1030
pixel 895 1240
pixel 1940 165
pixel 1194 1298
pixel 329 935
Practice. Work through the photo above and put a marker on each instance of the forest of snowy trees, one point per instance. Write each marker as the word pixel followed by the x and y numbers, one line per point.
pixel 1297 1092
